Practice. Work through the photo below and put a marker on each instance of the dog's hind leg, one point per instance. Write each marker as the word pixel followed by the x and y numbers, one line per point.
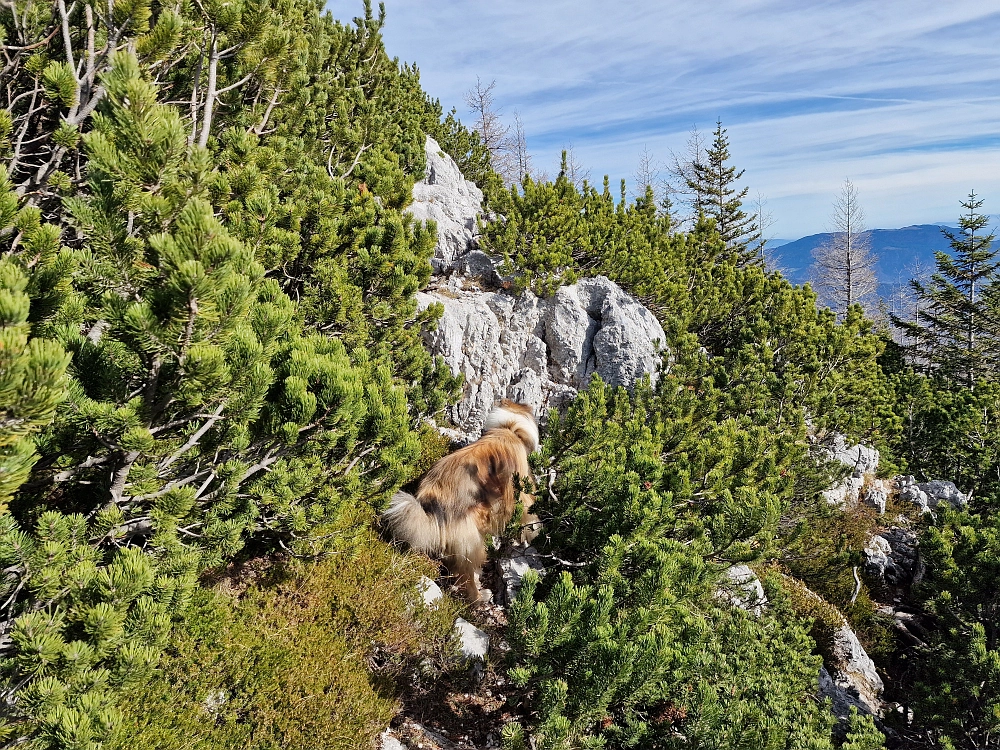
pixel 466 556
pixel 465 571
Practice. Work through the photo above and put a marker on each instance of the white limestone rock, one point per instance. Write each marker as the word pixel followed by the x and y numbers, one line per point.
pixel 860 459
pixel 539 351
pixel 842 699
pixel 941 491
pixel 474 643
pixel 927 495
pixel 430 592
pixel 388 742
pixel 741 588
pixel 876 493
pixel 878 557
pixel 854 672
pixel 446 197
pixel 909 491
pixel 478 265
pixel 892 560
pixel 845 492
pixel 514 566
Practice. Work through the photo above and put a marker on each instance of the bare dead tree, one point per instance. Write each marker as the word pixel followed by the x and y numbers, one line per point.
pixel 904 303
pixel 520 155
pixel 496 135
pixel 844 267
pixel 681 173
pixel 647 173
pixel 764 220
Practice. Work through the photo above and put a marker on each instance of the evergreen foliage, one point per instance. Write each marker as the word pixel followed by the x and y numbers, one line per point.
pixel 632 647
pixel 232 281
pixel 210 353
pixel 284 663
pixel 952 331
pixel 956 685
pixel 713 182
pixel 32 382
pixel 950 431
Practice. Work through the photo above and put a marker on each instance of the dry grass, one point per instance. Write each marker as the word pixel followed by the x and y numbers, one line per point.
pixel 309 656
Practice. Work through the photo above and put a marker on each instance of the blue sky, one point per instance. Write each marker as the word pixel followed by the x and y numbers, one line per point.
pixel 902 97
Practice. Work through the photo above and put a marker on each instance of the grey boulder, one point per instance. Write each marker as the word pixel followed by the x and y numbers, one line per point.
pixel 453 202
pixel 927 495
pixel 539 351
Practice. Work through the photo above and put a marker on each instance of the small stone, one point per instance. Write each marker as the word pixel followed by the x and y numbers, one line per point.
pixel 741 588
pixel 216 700
pixel 513 568
pixel 475 643
pixel 430 591
pixel 388 742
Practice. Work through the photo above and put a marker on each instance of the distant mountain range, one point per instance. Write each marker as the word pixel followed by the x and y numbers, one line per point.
pixel 898 250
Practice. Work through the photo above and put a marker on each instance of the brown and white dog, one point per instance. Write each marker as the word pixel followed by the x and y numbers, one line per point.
pixel 469 494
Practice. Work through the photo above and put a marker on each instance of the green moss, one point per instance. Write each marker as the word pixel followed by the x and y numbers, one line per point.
pixel 308 656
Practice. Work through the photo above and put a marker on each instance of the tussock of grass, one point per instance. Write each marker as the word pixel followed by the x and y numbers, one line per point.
pixel 309 656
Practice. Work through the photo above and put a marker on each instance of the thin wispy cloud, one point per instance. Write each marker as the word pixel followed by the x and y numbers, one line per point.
pixel 903 97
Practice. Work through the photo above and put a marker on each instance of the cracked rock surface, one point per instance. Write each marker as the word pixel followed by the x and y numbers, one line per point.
pixel 539 351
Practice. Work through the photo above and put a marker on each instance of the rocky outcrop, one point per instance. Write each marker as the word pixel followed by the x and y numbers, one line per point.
pixel 892 566
pixel 453 202
pixel 862 462
pixel 861 459
pixel 853 671
pixel 536 351
pixel 927 495
pixel 539 351
pixel 892 561
pixel 848 676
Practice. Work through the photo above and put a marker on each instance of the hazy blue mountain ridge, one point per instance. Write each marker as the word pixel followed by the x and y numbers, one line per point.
pixel 898 251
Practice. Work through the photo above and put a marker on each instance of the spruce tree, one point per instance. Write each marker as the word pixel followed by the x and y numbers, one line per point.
pixel 952 332
pixel 714 183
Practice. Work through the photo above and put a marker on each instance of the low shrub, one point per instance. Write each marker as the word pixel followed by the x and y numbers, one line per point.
pixel 306 656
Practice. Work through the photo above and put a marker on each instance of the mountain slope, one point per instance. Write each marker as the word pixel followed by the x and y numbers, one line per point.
pixel 898 251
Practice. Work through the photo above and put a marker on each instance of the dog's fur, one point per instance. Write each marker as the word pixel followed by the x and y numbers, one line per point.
pixel 469 494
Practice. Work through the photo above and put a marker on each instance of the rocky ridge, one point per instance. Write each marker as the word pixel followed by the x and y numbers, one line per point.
pixel 891 566
pixel 539 351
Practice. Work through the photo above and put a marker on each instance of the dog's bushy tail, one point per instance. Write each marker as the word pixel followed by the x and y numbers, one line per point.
pixel 407 522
